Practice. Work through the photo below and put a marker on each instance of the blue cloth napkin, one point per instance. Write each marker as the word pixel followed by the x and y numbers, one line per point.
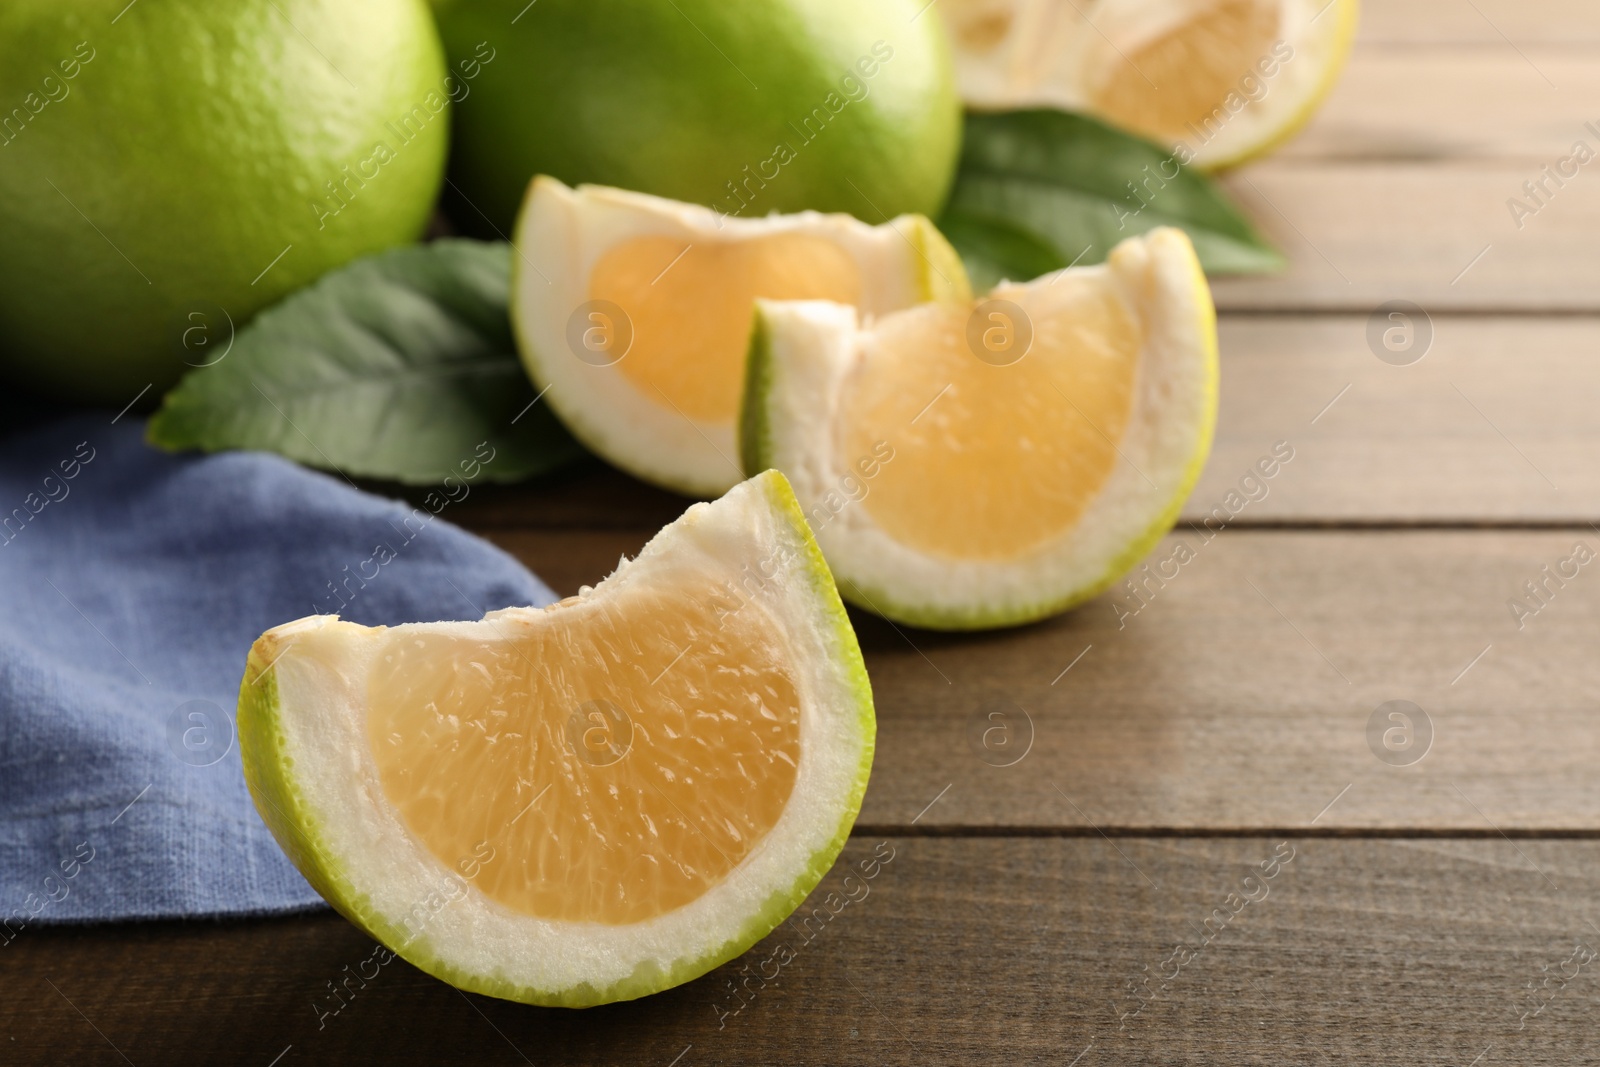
pixel 134 583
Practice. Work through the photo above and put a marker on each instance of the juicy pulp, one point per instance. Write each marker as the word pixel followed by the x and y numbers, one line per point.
pixel 1176 80
pixel 619 760
pixel 992 461
pixel 689 305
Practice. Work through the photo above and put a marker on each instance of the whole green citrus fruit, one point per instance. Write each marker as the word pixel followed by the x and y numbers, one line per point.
pixel 747 106
pixel 169 167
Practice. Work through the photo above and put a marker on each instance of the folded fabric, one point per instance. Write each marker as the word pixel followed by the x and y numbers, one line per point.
pixel 134 585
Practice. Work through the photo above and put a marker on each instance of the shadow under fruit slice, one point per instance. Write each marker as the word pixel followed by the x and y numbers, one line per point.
pixel 588 802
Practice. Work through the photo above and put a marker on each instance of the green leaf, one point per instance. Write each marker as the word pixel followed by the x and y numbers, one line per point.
pixel 397 367
pixel 1050 187
pixel 994 250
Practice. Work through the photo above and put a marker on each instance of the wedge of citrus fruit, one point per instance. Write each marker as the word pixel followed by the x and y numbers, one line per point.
pixel 1221 81
pixel 990 463
pixel 589 802
pixel 634 312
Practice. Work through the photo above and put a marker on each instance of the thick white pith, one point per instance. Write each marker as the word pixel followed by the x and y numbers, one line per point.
pixel 811 348
pixel 561 235
pixel 389 876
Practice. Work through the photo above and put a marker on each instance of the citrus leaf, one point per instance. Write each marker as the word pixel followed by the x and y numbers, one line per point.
pixel 1077 187
pixel 993 249
pixel 397 366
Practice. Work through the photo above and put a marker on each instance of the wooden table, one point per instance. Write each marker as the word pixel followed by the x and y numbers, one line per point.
pixel 1106 898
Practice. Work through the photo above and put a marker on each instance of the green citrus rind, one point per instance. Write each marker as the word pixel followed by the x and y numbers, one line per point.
pixel 269 773
pixel 758 451
pixel 942 275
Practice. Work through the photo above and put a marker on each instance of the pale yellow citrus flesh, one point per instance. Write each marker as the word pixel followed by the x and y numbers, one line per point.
pixel 604 762
pixel 1183 75
pixel 993 461
pixel 689 303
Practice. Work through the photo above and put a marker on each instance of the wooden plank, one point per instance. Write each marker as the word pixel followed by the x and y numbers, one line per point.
pixel 1360 235
pixel 1495 423
pixel 1484 101
pixel 589 495
pixel 1236 694
pixel 956 951
pixel 1501 23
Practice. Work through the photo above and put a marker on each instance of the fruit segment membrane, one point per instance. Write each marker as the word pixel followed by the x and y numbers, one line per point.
pixel 614 757
pixel 1179 76
pixel 1004 418
pixel 690 303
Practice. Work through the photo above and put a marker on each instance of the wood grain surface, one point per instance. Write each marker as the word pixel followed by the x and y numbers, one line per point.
pixel 1236 694
pixel 1359 235
pixel 1069 880
pixel 958 951
pixel 1452 24
pixel 1495 422
pixel 1489 101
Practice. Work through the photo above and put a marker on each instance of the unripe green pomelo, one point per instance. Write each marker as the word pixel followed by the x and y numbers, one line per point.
pixel 748 107
pixel 170 167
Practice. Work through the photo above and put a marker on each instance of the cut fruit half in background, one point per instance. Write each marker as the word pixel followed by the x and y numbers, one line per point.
pixel 634 312
pixel 987 464
pixel 583 803
pixel 1222 81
